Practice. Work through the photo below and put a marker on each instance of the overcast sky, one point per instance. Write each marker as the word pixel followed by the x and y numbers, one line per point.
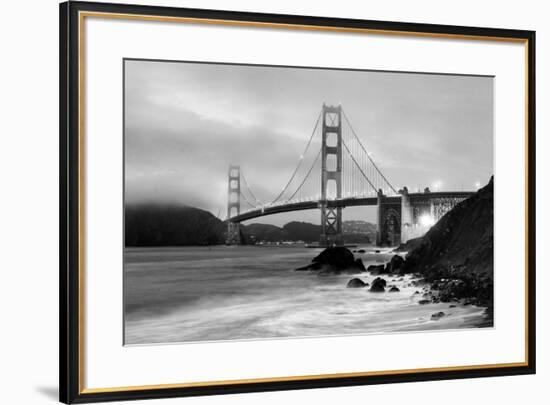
pixel 186 122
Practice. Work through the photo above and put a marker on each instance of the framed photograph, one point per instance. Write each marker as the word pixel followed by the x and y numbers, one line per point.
pixel 256 202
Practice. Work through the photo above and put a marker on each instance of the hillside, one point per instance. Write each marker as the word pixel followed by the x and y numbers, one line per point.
pixel 352 227
pixel 177 225
pixel 264 233
pixel 353 232
pixel 303 231
pixel 171 225
pixel 356 231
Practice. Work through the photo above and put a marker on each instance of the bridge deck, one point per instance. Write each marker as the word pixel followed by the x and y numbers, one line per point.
pixel 343 202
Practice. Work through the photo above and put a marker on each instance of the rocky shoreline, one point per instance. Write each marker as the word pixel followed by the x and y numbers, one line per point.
pixel 451 264
pixel 393 277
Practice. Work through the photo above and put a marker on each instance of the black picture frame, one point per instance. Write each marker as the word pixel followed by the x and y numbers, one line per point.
pixel 70 180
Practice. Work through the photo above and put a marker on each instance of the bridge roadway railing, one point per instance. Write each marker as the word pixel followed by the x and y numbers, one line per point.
pixel 342 202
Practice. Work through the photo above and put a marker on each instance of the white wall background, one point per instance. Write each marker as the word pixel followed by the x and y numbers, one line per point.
pixel 29 201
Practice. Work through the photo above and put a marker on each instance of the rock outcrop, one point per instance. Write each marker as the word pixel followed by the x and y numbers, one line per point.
pixel 437 316
pixel 408 246
pixel 376 269
pixel 456 255
pixel 335 260
pixel 356 283
pixel 395 265
pixel 378 285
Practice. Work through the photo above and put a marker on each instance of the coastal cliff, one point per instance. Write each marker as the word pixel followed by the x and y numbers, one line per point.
pixel 456 255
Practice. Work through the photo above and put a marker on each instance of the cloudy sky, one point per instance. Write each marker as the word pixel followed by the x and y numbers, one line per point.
pixel 186 122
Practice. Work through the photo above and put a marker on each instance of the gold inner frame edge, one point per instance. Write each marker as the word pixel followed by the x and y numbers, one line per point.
pixel 124 16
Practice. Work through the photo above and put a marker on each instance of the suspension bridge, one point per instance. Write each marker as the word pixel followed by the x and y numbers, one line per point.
pixel 339 174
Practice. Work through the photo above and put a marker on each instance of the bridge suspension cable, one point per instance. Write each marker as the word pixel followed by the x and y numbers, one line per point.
pixel 367 154
pixel 300 160
pixel 248 188
pixel 247 201
pixel 359 167
pixel 307 175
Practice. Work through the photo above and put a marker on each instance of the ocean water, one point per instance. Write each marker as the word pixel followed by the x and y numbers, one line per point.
pixel 189 294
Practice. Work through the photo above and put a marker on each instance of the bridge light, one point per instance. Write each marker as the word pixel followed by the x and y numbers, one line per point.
pixel 478 185
pixel 426 220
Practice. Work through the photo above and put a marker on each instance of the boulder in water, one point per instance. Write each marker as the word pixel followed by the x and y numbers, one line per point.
pixel 335 260
pixel 437 316
pixel 378 285
pixel 356 283
pixel 394 289
pixel 395 264
pixel 376 269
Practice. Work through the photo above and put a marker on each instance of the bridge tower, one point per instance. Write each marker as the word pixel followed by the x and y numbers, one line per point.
pixel 331 172
pixel 379 217
pixel 388 219
pixel 233 204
